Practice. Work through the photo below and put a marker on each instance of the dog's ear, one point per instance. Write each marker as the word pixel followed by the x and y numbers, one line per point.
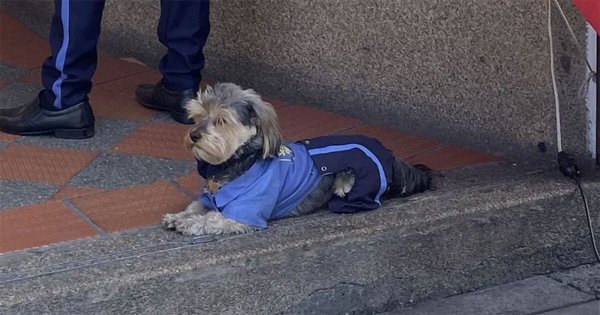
pixel 267 126
pixel 195 108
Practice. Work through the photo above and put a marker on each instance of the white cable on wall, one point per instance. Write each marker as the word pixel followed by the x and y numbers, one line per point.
pixel 554 87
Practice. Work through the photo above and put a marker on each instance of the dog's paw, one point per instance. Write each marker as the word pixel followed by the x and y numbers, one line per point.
pixel 169 219
pixel 188 226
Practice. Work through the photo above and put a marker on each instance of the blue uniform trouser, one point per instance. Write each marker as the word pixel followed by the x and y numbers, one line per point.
pixel 66 75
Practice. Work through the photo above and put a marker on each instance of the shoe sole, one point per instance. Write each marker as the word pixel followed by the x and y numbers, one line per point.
pixel 178 117
pixel 81 133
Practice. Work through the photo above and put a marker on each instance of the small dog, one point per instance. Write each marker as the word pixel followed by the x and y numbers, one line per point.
pixel 253 175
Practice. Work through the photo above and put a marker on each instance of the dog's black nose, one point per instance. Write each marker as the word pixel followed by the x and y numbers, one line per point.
pixel 195 135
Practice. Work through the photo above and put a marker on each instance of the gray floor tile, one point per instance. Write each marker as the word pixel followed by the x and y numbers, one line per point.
pixel 17 94
pixel 108 133
pixel 163 117
pixel 17 194
pixel 585 278
pixel 527 296
pixel 589 308
pixel 10 72
pixel 115 170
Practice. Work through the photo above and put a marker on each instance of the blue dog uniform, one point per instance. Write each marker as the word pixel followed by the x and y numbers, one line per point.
pixel 274 187
pixel 270 189
pixel 371 163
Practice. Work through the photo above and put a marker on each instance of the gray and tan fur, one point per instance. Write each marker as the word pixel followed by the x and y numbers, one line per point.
pixel 233 124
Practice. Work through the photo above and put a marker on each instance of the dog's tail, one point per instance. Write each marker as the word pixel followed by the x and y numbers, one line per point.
pixel 408 179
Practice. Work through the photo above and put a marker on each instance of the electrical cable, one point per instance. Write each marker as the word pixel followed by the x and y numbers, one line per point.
pixel 554 87
pixel 589 218
pixel 567 165
pixel 579 48
pixel 592 74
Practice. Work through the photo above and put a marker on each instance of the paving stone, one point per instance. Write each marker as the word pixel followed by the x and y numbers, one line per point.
pixel 118 105
pixel 160 140
pixel 192 183
pixel 110 68
pixel 521 297
pixel 589 308
pixel 277 103
pixel 108 132
pixel 451 157
pixel 585 278
pixel 164 118
pixel 12 31
pixel 132 207
pixel 301 122
pixel 42 165
pixel 10 72
pixel 115 170
pixel 40 224
pixel 28 54
pixel 68 192
pixel 15 193
pixel 7 137
pixel 17 94
pixel 403 145
pixel 128 85
pixel 33 76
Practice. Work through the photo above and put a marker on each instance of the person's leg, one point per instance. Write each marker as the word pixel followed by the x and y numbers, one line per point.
pixel 183 28
pixel 62 107
pixel 74 36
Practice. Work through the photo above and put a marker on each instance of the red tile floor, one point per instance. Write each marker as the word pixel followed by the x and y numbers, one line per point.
pixel 74 211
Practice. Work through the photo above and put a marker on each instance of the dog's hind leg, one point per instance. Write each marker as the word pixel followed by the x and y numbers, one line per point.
pixel 194 208
pixel 344 181
pixel 316 199
pixel 409 179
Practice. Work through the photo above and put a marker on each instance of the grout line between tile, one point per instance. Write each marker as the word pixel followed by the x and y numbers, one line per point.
pixel 183 189
pixel 428 151
pixel 360 123
pixel 84 217
pixel 571 285
pixel 96 85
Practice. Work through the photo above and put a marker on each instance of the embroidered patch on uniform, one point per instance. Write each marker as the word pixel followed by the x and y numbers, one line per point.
pixel 285 153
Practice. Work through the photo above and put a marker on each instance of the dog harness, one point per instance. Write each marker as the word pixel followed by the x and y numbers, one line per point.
pixel 273 188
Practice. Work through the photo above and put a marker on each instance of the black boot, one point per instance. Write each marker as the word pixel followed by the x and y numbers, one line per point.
pixel 157 96
pixel 75 122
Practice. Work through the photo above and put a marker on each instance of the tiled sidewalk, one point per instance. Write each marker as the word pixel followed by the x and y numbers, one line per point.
pixel 135 169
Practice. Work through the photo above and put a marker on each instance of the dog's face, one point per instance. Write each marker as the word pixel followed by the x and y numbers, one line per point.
pixel 226 117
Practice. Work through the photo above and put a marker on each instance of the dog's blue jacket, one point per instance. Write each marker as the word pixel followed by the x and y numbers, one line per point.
pixel 273 188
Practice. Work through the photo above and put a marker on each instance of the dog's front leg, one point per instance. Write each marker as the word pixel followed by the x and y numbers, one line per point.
pixel 212 222
pixel 194 208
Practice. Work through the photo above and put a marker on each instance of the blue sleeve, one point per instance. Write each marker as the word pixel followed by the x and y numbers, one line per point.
pixel 255 204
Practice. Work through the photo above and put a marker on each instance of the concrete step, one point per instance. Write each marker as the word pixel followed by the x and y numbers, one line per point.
pixel 484 226
pixel 567 292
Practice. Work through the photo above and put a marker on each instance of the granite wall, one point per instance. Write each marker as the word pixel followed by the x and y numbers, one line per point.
pixel 472 72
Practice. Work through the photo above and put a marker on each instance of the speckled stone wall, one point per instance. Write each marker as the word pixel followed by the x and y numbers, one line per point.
pixel 473 72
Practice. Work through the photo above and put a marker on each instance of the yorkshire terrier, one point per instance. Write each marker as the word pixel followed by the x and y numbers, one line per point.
pixel 252 175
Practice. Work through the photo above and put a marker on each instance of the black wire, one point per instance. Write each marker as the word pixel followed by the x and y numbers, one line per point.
pixel 589 218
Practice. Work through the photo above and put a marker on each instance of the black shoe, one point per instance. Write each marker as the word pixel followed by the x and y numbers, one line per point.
pixel 76 122
pixel 157 96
